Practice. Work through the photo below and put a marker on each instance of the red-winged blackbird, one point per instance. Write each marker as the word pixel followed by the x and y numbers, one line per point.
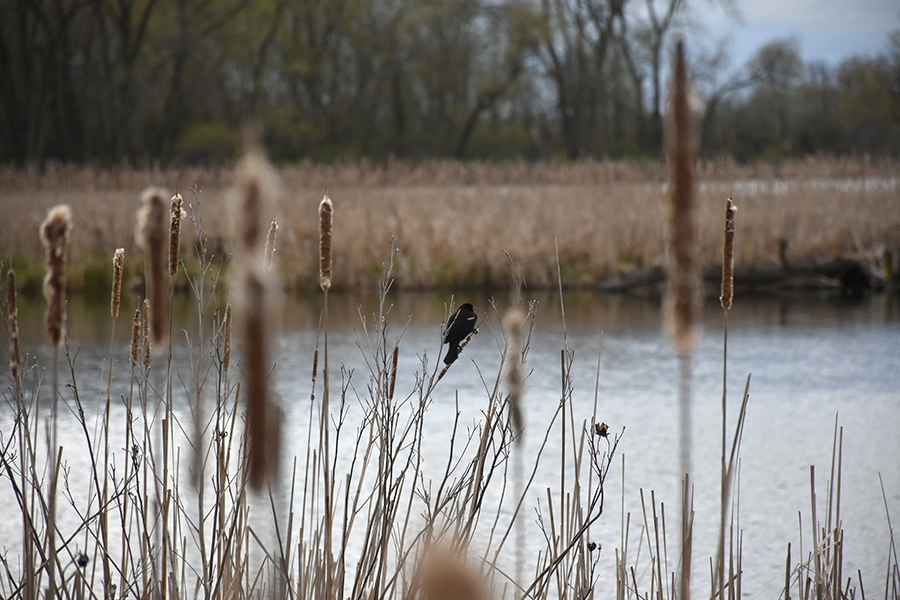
pixel 459 326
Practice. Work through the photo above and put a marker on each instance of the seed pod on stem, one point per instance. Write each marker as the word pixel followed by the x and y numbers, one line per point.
pixel 151 238
pixel 326 210
pixel 728 257
pixel 118 267
pixel 175 215
pixel 15 355
pixel 55 236
pixel 683 284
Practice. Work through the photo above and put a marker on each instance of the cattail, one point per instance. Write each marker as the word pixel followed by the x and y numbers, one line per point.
pixel 135 338
pixel 55 235
pixel 118 266
pixel 255 366
pixel 325 216
pixel 728 257
pixel 145 334
pixel 255 192
pixel 270 243
pixel 393 373
pixel 15 355
pixel 151 238
pixel 683 293
pixel 444 575
pixel 515 376
pixel 226 346
pixel 175 214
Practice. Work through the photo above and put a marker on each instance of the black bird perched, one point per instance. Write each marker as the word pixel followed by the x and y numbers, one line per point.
pixel 459 327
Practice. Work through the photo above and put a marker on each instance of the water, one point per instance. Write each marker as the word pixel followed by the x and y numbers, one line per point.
pixel 811 360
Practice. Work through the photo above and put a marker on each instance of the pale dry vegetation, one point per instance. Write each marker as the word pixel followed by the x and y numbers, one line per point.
pixel 453 222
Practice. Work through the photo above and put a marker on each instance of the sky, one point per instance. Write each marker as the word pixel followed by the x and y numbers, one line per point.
pixel 826 30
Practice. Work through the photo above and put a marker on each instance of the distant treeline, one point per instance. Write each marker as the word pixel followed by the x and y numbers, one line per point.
pixel 175 81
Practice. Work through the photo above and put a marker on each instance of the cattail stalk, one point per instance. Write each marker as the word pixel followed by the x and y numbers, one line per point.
pixel 255 192
pixel 55 235
pixel 270 244
pixel 175 215
pixel 115 305
pixel 683 293
pixel 326 213
pixel 728 257
pixel 726 299
pixel 683 285
pixel 151 238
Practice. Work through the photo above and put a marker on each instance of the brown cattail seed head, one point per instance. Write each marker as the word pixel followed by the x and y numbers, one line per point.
pixel 135 338
pixel 256 190
pixel 175 214
pixel 253 330
pixel 151 238
pixel 326 210
pixel 683 286
pixel 444 575
pixel 118 267
pixel 270 243
pixel 55 235
pixel 15 355
pixel 515 374
pixel 728 257
pixel 255 193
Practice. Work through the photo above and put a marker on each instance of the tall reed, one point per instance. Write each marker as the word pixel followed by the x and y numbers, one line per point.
pixel 54 235
pixel 683 288
pixel 726 298
pixel 151 238
pixel 256 191
pixel 683 278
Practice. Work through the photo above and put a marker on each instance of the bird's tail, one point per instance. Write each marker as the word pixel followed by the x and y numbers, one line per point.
pixel 452 353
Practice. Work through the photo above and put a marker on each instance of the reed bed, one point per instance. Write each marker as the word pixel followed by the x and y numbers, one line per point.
pixel 168 509
pixel 452 222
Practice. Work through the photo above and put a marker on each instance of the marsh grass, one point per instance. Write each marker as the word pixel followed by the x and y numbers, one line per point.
pixel 453 221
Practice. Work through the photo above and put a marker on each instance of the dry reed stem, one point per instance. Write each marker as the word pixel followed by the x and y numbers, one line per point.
pixel 118 266
pixel 683 285
pixel 55 235
pixel 151 238
pixel 728 257
pixel 326 210
pixel 270 244
pixel 175 216
pixel 15 354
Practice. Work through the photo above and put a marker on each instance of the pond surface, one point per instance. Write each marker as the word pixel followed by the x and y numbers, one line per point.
pixel 813 361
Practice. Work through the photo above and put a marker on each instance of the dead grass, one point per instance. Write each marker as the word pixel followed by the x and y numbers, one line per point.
pixel 453 222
